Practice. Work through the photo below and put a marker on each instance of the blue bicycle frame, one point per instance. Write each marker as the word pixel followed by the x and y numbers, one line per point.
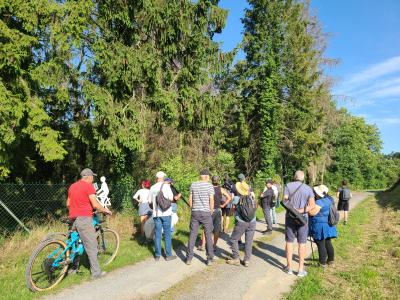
pixel 74 244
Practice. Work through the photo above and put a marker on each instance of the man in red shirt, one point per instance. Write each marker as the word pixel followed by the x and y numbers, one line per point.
pixel 81 202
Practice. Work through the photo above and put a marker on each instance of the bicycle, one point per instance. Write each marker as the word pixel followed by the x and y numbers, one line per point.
pixel 50 260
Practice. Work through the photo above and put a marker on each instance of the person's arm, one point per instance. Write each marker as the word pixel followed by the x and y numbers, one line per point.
pixel 97 206
pixel 337 194
pixel 212 202
pixel 68 201
pixel 190 200
pixel 136 197
pixel 310 205
pixel 227 196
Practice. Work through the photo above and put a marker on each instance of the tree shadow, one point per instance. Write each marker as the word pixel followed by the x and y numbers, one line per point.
pixel 390 199
pixel 268 258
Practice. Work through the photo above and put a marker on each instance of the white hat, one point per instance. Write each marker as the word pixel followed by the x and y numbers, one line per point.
pixel 321 190
pixel 161 174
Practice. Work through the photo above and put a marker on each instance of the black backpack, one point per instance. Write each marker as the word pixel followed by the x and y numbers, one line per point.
pixel 162 202
pixel 334 216
pixel 247 208
pixel 344 194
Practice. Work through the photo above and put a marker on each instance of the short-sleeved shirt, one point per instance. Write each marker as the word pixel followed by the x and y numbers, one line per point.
pixel 201 192
pixel 142 196
pixel 79 202
pixel 166 190
pixel 300 199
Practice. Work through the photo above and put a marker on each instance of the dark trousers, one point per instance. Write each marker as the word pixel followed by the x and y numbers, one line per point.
pixel 267 216
pixel 325 249
pixel 248 228
pixel 203 218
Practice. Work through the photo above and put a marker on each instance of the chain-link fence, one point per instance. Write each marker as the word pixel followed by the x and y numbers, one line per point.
pixel 33 203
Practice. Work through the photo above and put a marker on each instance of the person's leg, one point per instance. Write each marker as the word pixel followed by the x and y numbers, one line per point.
pixel 87 234
pixel 227 221
pixel 217 220
pixel 203 240
pixel 267 216
pixel 302 234
pixel 194 228
pixel 157 236
pixel 143 220
pixel 321 252
pixel 166 224
pixel 206 220
pixel 273 215
pixel 330 250
pixel 249 235
pixel 289 238
pixel 289 254
pixel 237 233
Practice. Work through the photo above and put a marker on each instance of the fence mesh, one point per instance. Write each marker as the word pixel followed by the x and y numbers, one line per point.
pixel 33 203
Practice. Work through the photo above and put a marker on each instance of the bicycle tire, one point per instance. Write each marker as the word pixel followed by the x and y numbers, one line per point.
pixel 55 236
pixel 105 257
pixel 29 267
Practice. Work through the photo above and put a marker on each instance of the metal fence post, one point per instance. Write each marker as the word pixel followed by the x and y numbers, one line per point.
pixel 14 216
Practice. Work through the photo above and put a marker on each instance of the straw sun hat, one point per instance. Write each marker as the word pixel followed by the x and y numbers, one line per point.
pixel 243 188
pixel 320 190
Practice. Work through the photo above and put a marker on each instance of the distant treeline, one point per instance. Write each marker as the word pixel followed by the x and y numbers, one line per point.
pixel 128 87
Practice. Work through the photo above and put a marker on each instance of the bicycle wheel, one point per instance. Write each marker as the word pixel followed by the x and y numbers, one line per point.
pixel 108 245
pixel 40 275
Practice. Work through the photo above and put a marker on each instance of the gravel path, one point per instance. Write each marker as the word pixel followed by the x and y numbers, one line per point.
pixel 263 279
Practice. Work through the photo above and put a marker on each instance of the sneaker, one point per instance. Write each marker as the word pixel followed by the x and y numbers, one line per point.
pixel 287 270
pixel 209 262
pixel 157 258
pixel 169 258
pixel 200 248
pixel 233 262
pixel 302 273
pixel 188 262
pixel 267 232
pixel 246 263
pixel 331 264
pixel 102 274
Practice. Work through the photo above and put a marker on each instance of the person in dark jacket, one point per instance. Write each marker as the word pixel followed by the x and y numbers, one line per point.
pixel 319 228
pixel 267 198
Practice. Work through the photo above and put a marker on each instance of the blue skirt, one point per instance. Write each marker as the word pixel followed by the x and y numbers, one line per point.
pixel 144 209
pixel 321 230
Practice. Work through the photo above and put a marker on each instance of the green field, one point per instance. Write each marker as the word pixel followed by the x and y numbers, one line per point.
pixel 367 256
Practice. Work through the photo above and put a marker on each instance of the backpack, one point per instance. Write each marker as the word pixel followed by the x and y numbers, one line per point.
pixel 344 194
pixel 247 207
pixel 334 216
pixel 162 202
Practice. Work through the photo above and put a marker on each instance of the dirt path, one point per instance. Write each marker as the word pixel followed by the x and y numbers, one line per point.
pixel 263 279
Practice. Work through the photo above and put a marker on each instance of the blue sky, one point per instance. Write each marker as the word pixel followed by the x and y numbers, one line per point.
pixel 365 38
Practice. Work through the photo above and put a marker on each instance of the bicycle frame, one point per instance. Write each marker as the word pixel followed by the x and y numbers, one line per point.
pixel 72 244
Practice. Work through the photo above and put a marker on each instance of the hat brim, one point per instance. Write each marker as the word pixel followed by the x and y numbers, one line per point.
pixel 243 188
pixel 318 191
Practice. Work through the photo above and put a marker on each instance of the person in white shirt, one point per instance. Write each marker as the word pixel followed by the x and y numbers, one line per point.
pixel 162 219
pixel 142 197
pixel 276 194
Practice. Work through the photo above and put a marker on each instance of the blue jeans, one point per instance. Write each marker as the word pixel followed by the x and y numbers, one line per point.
pixel 162 224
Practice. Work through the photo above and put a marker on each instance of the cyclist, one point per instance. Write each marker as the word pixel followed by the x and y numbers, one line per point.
pixel 81 202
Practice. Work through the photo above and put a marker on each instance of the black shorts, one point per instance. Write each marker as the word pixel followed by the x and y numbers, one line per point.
pixel 343 205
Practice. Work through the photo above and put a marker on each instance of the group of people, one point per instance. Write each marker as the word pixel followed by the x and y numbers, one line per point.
pixel 210 205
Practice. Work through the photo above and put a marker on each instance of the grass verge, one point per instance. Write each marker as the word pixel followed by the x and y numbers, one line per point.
pixel 367 256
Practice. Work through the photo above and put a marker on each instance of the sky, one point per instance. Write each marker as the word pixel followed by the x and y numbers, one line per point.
pixel 364 35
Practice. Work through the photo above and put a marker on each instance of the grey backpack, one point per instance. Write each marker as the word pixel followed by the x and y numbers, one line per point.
pixel 162 202
pixel 334 216
pixel 344 194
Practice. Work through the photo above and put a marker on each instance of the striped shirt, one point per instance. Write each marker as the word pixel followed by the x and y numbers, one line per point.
pixel 201 192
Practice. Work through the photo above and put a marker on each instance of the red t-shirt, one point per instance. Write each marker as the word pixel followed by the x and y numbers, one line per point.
pixel 79 202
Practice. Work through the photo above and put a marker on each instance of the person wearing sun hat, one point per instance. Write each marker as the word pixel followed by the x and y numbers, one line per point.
pixel 242 189
pixel 319 228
